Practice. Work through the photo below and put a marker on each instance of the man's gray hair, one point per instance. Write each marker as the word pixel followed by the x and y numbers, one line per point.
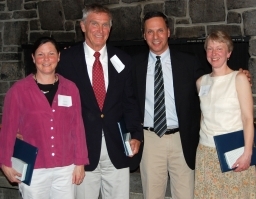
pixel 97 8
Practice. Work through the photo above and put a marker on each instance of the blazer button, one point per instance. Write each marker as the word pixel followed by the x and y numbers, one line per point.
pixel 102 115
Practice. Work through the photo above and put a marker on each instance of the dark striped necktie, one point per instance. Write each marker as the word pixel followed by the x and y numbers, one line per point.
pixel 160 125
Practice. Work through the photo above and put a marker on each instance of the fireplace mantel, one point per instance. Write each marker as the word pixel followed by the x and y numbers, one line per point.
pixel 238 59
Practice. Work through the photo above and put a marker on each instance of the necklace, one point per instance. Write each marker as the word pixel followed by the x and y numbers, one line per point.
pixel 44 92
pixel 46 88
pixel 55 80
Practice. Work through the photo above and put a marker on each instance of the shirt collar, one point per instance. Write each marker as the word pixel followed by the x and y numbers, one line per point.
pixel 90 52
pixel 164 55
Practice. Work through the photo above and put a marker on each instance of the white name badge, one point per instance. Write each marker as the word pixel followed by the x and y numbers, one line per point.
pixel 64 100
pixel 204 90
pixel 119 66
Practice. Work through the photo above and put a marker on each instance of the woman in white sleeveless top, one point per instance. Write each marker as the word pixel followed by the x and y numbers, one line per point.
pixel 227 106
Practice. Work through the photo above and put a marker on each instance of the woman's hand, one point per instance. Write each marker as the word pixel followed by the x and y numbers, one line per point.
pixel 242 163
pixel 11 174
pixel 19 136
pixel 78 174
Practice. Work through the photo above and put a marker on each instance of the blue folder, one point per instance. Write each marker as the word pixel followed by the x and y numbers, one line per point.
pixel 228 142
pixel 123 131
pixel 28 153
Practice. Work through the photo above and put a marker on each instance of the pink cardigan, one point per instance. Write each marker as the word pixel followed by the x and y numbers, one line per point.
pixel 57 131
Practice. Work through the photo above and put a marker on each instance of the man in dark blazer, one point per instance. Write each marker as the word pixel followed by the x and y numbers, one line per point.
pixel 174 152
pixel 109 166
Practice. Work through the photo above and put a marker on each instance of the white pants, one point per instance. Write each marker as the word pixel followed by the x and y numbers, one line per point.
pixel 53 183
pixel 113 183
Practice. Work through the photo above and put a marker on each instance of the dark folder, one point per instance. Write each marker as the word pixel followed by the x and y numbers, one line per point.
pixel 228 142
pixel 125 135
pixel 27 153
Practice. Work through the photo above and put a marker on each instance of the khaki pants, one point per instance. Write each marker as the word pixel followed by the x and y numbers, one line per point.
pixel 162 156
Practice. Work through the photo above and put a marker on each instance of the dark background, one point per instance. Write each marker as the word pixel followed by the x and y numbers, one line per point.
pixel 238 59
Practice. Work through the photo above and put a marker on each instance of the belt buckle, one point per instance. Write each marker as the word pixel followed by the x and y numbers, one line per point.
pixel 150 129
pixel 168 132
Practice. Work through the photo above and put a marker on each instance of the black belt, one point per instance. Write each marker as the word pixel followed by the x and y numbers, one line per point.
pixel 168 131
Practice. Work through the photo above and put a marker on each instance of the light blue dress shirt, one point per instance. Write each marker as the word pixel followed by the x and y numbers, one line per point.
pixel 171 115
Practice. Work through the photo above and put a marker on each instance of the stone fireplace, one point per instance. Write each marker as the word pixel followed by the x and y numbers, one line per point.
pixel 190 21
pixel 23 21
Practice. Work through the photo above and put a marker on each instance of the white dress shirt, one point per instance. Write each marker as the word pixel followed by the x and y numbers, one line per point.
pixel 89 58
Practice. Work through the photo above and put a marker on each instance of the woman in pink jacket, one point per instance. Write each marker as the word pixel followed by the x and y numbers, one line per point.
pixel 45 109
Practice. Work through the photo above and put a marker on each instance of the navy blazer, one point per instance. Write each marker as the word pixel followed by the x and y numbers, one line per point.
pixel 186 70
pixel 119 101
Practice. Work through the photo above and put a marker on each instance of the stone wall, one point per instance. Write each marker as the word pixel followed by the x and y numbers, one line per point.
pixel 23 21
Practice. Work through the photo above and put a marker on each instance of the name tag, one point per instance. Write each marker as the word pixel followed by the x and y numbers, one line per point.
pixel 204 90
pixel 64 100
pixel 119 66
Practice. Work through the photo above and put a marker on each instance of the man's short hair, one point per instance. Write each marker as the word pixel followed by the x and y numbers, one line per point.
pixel 152 14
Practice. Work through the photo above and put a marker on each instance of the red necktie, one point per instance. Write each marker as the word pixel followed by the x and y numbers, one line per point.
pixel 98 82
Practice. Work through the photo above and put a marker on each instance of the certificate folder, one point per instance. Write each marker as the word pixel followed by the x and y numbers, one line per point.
pixel 126 137
pixel 27 153
pixel 228 142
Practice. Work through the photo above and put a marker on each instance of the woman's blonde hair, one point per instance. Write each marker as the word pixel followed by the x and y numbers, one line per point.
pixel 220 36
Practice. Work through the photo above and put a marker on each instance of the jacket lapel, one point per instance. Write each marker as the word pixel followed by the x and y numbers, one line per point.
pixel 85 82
pixel 112 77
pixel 177 75
pixel 141 74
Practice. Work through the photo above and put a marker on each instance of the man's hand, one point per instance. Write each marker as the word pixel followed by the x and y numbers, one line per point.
pixel 247 73
pixel 135 146
pixel 11 174
pixel 78 174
